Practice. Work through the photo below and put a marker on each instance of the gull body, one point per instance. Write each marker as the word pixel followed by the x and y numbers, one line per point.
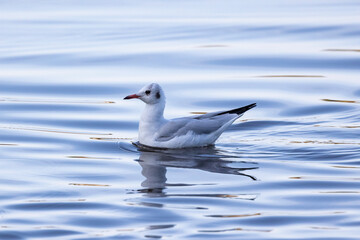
pixel 193 131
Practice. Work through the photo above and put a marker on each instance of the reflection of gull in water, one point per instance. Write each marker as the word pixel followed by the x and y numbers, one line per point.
pixel 155 163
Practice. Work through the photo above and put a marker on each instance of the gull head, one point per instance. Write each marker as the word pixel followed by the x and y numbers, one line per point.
pixel 149 94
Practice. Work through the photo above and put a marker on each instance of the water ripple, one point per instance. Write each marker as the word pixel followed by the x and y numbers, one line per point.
pixel 71 166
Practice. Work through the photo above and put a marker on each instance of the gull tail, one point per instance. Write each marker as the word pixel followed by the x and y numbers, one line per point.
pixel 239 111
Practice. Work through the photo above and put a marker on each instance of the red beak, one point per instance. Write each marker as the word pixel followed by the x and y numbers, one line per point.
pixel 131 96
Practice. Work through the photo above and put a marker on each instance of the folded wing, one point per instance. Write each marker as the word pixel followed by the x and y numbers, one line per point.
pixel 203 124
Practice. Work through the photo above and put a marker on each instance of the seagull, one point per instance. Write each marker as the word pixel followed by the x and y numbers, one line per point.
pixel 195 131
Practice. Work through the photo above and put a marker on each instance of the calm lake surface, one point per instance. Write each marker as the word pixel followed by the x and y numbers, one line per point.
pixel 288 169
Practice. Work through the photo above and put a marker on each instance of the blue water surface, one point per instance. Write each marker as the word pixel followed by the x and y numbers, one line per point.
pixel 288 169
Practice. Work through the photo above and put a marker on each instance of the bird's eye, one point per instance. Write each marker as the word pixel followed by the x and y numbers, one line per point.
pixel 147 92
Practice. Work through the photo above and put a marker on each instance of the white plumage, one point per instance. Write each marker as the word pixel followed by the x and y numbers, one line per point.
pixel 194 131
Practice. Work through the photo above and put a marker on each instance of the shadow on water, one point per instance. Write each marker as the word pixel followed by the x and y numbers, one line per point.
pixel 155 162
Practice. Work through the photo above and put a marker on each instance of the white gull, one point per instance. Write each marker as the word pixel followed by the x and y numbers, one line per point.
pixel 195 131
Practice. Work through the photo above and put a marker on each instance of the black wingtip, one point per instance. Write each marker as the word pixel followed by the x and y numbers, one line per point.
pixel 250 106
pixel 244 109
pixel 241 110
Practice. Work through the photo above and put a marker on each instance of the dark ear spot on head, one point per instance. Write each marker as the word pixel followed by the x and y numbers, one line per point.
pixel 158 95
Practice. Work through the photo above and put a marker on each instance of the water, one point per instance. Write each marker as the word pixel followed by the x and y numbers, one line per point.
pixel 288 169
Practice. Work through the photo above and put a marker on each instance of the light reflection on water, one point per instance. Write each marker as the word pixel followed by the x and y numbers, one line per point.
pixel 289 167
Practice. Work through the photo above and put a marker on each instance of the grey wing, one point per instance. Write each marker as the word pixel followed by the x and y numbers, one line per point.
pixel 181 126
pixel 212 115
pixel 170 129
pixel 238 111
